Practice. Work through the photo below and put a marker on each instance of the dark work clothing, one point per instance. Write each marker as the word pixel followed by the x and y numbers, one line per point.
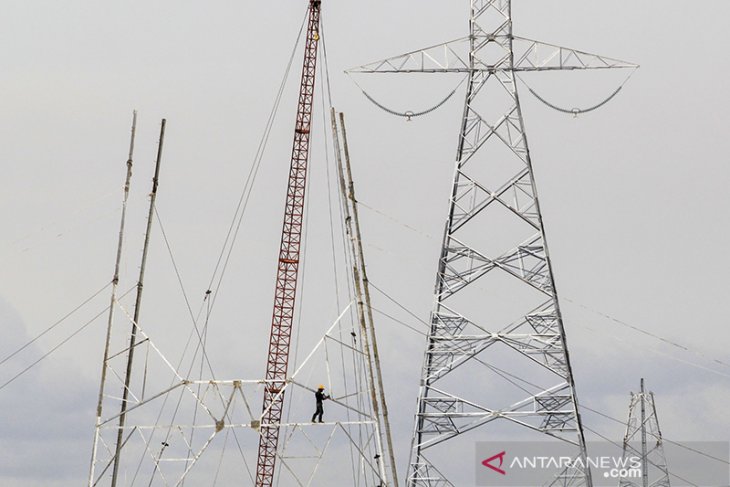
pixel 319 396
pixel 318 413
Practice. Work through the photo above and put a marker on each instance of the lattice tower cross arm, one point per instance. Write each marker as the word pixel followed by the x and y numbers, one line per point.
pixel 288 264
pixel 458 56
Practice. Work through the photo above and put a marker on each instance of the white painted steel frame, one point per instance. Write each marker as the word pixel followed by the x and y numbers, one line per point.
pixel 643 439
pixel 230 405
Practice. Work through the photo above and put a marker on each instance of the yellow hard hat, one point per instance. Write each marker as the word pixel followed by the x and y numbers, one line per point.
pixel 321 387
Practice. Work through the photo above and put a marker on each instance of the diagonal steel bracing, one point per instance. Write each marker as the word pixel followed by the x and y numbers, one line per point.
pixel 496 365
pixel 643 440
pixel 190 431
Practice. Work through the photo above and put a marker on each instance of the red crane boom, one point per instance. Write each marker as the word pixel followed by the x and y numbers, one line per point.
pixel 288 267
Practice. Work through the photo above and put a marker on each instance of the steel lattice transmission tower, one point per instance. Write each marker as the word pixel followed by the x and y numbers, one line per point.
pixel 496 364
pixel 643 439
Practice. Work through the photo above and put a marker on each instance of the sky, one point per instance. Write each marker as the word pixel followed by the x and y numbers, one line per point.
pixel 633 195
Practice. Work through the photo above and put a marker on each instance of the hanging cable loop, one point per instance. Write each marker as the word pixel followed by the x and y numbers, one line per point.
pixel 575 111
pixel 408 114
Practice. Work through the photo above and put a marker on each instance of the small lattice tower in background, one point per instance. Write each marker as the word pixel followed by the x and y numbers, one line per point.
pixel 643 439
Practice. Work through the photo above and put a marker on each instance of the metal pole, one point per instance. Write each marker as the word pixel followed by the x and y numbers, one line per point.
pixel 368 307
pixel 137 306
pixel 113 299
pixel 644 462
pixel 360 300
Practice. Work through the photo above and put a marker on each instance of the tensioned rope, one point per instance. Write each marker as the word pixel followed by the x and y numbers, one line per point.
pixel 60 227
pixel 289 433
pixel 184 293
pixel 327 102
pixel 667 355
pixel 688 448
pixel 237 219
pixel 408 115
pixel 202 338
pixel 504 374
pixel 400 322
pixel 395 220
pixel 302 287
pixel 325 95
pixel 652 335
pixel 616 444
pixel 344 247
pixel 508 377
pixel 64 341
pixel 54 325
pixel 199 348
pixel 303 260
pixel 673 343
pixel 357 366
pixel 228 245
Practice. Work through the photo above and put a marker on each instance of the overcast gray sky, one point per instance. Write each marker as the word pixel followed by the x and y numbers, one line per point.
pixel 634 195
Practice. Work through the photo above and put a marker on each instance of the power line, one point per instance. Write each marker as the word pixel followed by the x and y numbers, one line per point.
pixel 664 438
pixel 251 178
pixel 670 342
pixel 54 325
pixel 582 406
pixel 63 342
pixel 649 334
pixel 696 451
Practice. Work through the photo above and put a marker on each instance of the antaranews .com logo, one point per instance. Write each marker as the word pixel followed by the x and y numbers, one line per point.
pixel 612 466
pixel 537 463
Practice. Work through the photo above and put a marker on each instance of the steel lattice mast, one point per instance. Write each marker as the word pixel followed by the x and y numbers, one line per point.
pixel 288 264
pixel 496 363
pixel 643 423
pixel 112 304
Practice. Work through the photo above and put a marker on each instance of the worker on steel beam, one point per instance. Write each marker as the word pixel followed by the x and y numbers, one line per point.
pixel 320 397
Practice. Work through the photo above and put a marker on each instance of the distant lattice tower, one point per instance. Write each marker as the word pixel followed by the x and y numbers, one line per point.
pixel 496 365
pixel 643 439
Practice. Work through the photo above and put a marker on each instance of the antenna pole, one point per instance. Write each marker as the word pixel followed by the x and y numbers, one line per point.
pixel 363 288
pixel 113 299
pixel 644 466
pixel 137 307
